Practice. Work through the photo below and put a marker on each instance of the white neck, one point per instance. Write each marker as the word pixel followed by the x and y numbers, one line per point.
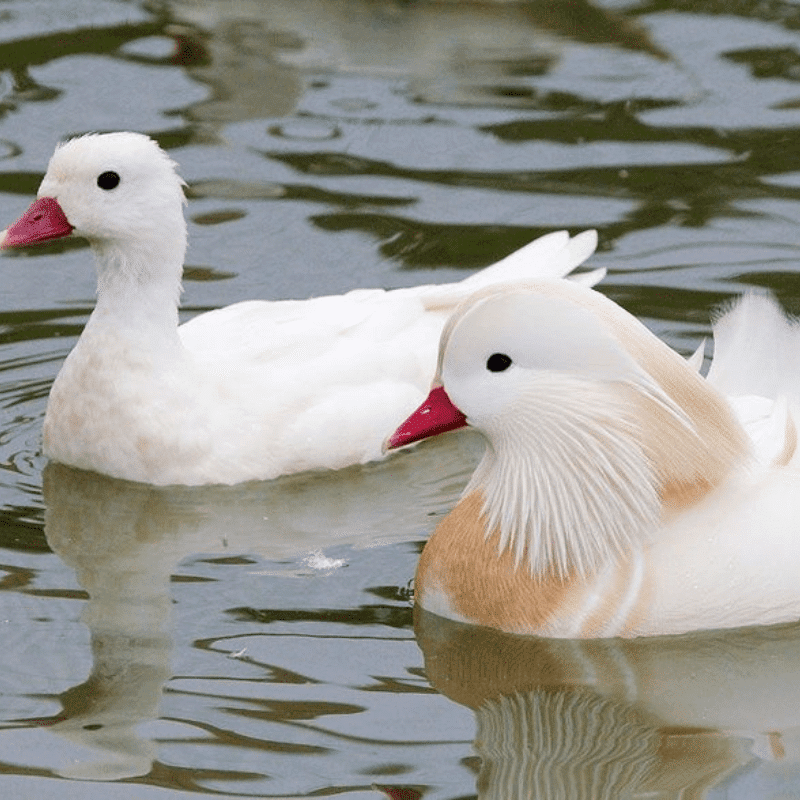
pixel 138 287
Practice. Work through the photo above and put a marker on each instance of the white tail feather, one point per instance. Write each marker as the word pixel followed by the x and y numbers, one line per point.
pixel 756 350
pixel 695 360
pixel 552 256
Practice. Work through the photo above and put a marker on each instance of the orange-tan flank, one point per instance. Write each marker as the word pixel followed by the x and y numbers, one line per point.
pixel 481 584
pixel 487 587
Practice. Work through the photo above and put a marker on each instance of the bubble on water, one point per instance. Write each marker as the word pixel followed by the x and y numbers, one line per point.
pixel 306 129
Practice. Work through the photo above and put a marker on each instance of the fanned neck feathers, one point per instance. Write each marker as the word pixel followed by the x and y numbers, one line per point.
pixel 581 469
pixel 575 488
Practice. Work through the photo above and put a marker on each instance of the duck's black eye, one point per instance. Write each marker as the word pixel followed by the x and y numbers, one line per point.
pixel 497 362
pixel 108 180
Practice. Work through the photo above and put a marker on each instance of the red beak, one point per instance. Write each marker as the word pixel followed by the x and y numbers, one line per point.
pixel 43 221
pixel 436 415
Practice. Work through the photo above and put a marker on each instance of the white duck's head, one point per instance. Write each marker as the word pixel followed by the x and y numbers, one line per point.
pixel 594 426
pixel 121 192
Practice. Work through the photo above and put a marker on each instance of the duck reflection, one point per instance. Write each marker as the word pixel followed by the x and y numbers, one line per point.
pixel 654 717
pixel 124 541
pixel 111 532
pixel 252 55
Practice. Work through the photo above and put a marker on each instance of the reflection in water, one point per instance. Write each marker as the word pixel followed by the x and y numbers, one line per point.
pixel 238 63
pixel 666 717
pixel 567 743
pixel 100 715
pixel 108 533
pixel 256 57
pixel 124 541
pixel 483 38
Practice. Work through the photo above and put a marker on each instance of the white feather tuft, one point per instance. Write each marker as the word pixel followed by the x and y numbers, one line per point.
pixel 552 256
pixel 756 349
pixel 695 360
pixel 555 255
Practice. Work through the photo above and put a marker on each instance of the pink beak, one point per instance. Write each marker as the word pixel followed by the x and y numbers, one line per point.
pixel 436 415
pixel 43 221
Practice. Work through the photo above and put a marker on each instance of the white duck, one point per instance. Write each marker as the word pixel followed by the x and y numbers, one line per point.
pixel 620 493
pixel 251 391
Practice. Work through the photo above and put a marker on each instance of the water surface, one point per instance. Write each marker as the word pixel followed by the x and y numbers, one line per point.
pixel 260 641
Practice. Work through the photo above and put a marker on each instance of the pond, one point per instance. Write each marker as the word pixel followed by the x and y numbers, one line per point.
pixel 260 640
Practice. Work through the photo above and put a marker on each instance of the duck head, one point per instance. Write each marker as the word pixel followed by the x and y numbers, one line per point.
pixel 120 191
pixel 595 428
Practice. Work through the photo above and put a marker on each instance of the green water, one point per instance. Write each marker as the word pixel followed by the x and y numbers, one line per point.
pixel 258 641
